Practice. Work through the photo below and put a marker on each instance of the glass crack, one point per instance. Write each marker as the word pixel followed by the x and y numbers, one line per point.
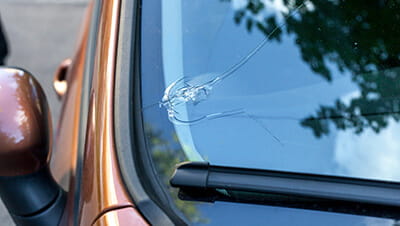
pixel 194 90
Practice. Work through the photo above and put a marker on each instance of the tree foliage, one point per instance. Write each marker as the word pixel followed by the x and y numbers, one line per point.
pixel 166 155
pixel 358 37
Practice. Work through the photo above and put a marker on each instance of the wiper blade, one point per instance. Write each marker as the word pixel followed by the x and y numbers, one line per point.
pixel 200 181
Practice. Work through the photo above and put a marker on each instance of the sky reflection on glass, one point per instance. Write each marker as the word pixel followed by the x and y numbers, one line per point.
pixel 337 115
pixel 260 115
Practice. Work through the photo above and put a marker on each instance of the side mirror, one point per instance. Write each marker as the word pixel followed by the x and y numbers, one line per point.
pixel 26 186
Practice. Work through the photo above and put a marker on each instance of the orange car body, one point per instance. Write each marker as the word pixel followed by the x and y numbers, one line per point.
pixel 102 197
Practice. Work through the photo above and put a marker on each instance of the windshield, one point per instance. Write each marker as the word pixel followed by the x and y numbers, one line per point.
pixel 299 86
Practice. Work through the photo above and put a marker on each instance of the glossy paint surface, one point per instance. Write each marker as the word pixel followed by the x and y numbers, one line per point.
pixel 25 126
pixel 60 84
pixel 120 217
pixel 64 157
pixel 63 160
pixel 102 189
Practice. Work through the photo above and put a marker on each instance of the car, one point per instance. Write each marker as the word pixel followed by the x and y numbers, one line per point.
pixel 212 112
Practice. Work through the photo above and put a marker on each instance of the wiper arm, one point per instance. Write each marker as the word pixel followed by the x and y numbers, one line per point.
pixel 200 181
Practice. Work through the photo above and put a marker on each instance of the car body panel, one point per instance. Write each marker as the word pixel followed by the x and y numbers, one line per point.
pixel 102 188
pixel 63 159
pixel 59 82
pixel 124 216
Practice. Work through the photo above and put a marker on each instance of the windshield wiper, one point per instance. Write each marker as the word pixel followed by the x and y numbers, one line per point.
pixel 200 181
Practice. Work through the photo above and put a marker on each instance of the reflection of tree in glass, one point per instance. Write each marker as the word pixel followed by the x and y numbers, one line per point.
pixel 359 37
pixel 377 101
pixel 166 157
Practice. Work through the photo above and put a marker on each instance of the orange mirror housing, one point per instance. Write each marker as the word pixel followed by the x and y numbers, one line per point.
pixel 27 188
pixel 25 124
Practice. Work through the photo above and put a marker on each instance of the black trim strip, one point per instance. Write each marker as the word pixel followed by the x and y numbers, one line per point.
pixel 132 155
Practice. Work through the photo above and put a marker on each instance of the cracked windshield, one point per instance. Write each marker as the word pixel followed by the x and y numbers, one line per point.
pixel 301 86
